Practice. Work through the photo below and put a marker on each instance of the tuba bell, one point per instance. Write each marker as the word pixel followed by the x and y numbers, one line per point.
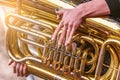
pixel 97 43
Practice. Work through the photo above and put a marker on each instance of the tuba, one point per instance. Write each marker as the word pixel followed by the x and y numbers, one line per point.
pixel 97 43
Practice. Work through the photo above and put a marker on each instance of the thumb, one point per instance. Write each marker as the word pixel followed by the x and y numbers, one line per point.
pixel 10 62
pixel 59 13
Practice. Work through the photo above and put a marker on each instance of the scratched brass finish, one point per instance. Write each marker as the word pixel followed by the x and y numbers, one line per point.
pixel 28 40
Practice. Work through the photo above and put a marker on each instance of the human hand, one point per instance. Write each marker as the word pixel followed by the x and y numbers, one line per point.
pixel 71 19
pixel 19 68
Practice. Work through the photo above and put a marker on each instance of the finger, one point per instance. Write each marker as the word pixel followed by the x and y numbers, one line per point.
pixel 25 70
pixel 17 69
pixel 68 32
pixel 14 67
pixel 62 36
pixel 57 30
pixel 74 46
pixel 70 36
pixel 60 12
pixel 58 17
pixel 10 61
pixel 21 69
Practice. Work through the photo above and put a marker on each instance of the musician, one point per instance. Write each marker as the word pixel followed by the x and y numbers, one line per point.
pixel 72 18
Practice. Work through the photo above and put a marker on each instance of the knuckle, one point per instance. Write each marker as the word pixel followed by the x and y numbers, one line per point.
pixel 76 23
pixel 60 40
pixel 60 24
pixel 66 24
pixel 20 70
pixel 70 24
pixel 14 66
pixel 17 68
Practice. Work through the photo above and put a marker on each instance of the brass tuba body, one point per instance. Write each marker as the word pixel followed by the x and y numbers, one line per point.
pixel 28 39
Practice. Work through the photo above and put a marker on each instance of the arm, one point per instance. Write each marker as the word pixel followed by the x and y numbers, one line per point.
pixel 94 8
pixel 102 7
pixel 72 18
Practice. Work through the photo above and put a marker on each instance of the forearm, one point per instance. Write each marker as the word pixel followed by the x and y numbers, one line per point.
pixel 94 8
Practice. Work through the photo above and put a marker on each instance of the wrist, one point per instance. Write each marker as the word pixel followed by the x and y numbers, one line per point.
pixel 85 9
pixel 94 8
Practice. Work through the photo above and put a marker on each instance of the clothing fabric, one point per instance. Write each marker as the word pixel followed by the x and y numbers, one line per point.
pixel 114 6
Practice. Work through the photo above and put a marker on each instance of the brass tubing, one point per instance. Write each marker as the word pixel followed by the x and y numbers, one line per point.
pixel 18 6
pixel 49 74
pixel 49 59
pixel 56 57
pixel 101 56
pixel 78 53
pixel 7 3
pixel 35 44
pixel 57 62
pixel 32 43
pixel 93 65
pixel 66 68
pixel 80 72
pixel 94 44
pixel 114 68
pixel 36 31
pixel 38 13
pixel 83 60
pixel 40 5
pixel 28 20
pixel 118 74
pixel 47 53
pixel 27 32
pixel 14 41
pixel 24 58
pixel 9 50
pixel 23 47
pixel 72 60
pixel 76 63
pixel 15 44
pixel 28 8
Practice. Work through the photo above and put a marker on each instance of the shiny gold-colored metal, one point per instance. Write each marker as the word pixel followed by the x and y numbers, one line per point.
pixel 28 40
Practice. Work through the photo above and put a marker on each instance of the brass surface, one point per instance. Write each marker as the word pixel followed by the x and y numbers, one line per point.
pixel 28 40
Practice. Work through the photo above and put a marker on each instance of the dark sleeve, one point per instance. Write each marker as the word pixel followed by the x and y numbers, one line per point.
pixel 114 6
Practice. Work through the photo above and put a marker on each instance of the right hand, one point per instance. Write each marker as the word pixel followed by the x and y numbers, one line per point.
pixel 70 22
pixel 19 68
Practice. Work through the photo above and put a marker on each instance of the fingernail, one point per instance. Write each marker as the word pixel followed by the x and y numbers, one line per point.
pixel 59 45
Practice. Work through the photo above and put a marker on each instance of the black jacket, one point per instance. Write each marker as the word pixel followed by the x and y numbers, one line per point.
pixel 114 6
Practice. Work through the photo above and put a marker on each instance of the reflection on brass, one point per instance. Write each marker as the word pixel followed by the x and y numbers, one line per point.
pixel 95 55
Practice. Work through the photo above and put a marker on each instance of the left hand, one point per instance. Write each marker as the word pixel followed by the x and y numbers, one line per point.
pixel 71 19
pixel 19 68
